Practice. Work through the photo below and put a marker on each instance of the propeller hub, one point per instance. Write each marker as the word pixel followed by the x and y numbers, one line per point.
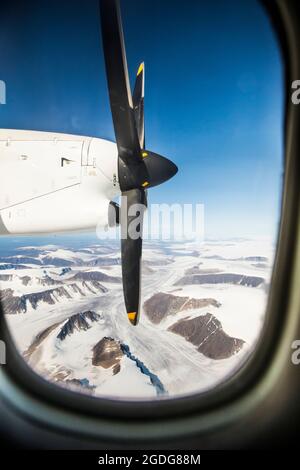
pixel 151 171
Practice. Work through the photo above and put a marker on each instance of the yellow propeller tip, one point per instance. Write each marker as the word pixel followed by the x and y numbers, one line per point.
pixel 132 317
pixel 141 68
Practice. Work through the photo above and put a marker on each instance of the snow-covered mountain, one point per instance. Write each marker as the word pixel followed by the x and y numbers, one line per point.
pixel 203 308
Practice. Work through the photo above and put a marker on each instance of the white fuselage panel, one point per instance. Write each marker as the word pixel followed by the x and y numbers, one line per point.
pixel 55 182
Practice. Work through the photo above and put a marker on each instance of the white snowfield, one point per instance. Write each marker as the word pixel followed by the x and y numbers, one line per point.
pixel 171 365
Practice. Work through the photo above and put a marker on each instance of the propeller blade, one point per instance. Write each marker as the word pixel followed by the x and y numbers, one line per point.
pixel 118 82
pixel 138 169
pixel 132 214
pixel 138 106
pixel 138 103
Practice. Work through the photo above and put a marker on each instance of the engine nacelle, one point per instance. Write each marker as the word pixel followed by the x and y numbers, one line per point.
pixel 113 214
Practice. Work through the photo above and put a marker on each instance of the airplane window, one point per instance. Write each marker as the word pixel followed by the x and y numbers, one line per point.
pixel 140 190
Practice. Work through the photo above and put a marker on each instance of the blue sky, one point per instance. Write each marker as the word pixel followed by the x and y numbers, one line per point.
pixel 214 95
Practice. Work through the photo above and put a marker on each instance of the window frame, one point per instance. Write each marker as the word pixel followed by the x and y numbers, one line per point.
pixel 45 403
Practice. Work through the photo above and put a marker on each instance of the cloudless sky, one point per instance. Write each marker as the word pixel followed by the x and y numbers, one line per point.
pixel 213 104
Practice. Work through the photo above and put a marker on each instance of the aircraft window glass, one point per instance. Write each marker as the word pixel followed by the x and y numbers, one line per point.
pixel 207 94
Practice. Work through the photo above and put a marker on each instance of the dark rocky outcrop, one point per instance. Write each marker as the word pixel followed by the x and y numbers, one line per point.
pixel 25 280
pixel 94 276
pixel 78 322
pixel 197 270
pixel 256 259
pixel 207 334
pixel 107 353
pixel 65 271
pixel 222 278
pixel 11 303
pixel 160 305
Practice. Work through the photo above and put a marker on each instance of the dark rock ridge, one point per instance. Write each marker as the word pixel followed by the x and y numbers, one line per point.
pixel 246 258
pixel 102 261
pixel 59 262
pixel 107 353
pixel 161 305
pixel 88 279
pixel 207 334
pixel 78 322
pixel 20 262
pixel 64 271
pixel 94 276
pixel 44 281
pixel 12 266
pixel 19 304
pixel 63 263
pixel 223 278
pixel 17 260
pixel 82 276
pixel 49 281
pixel 40 337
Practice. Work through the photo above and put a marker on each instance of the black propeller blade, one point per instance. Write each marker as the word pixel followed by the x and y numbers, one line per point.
pixel 118 81
pixel 138 169
pixel 138 106
pixel 131 249
pixel 138 103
